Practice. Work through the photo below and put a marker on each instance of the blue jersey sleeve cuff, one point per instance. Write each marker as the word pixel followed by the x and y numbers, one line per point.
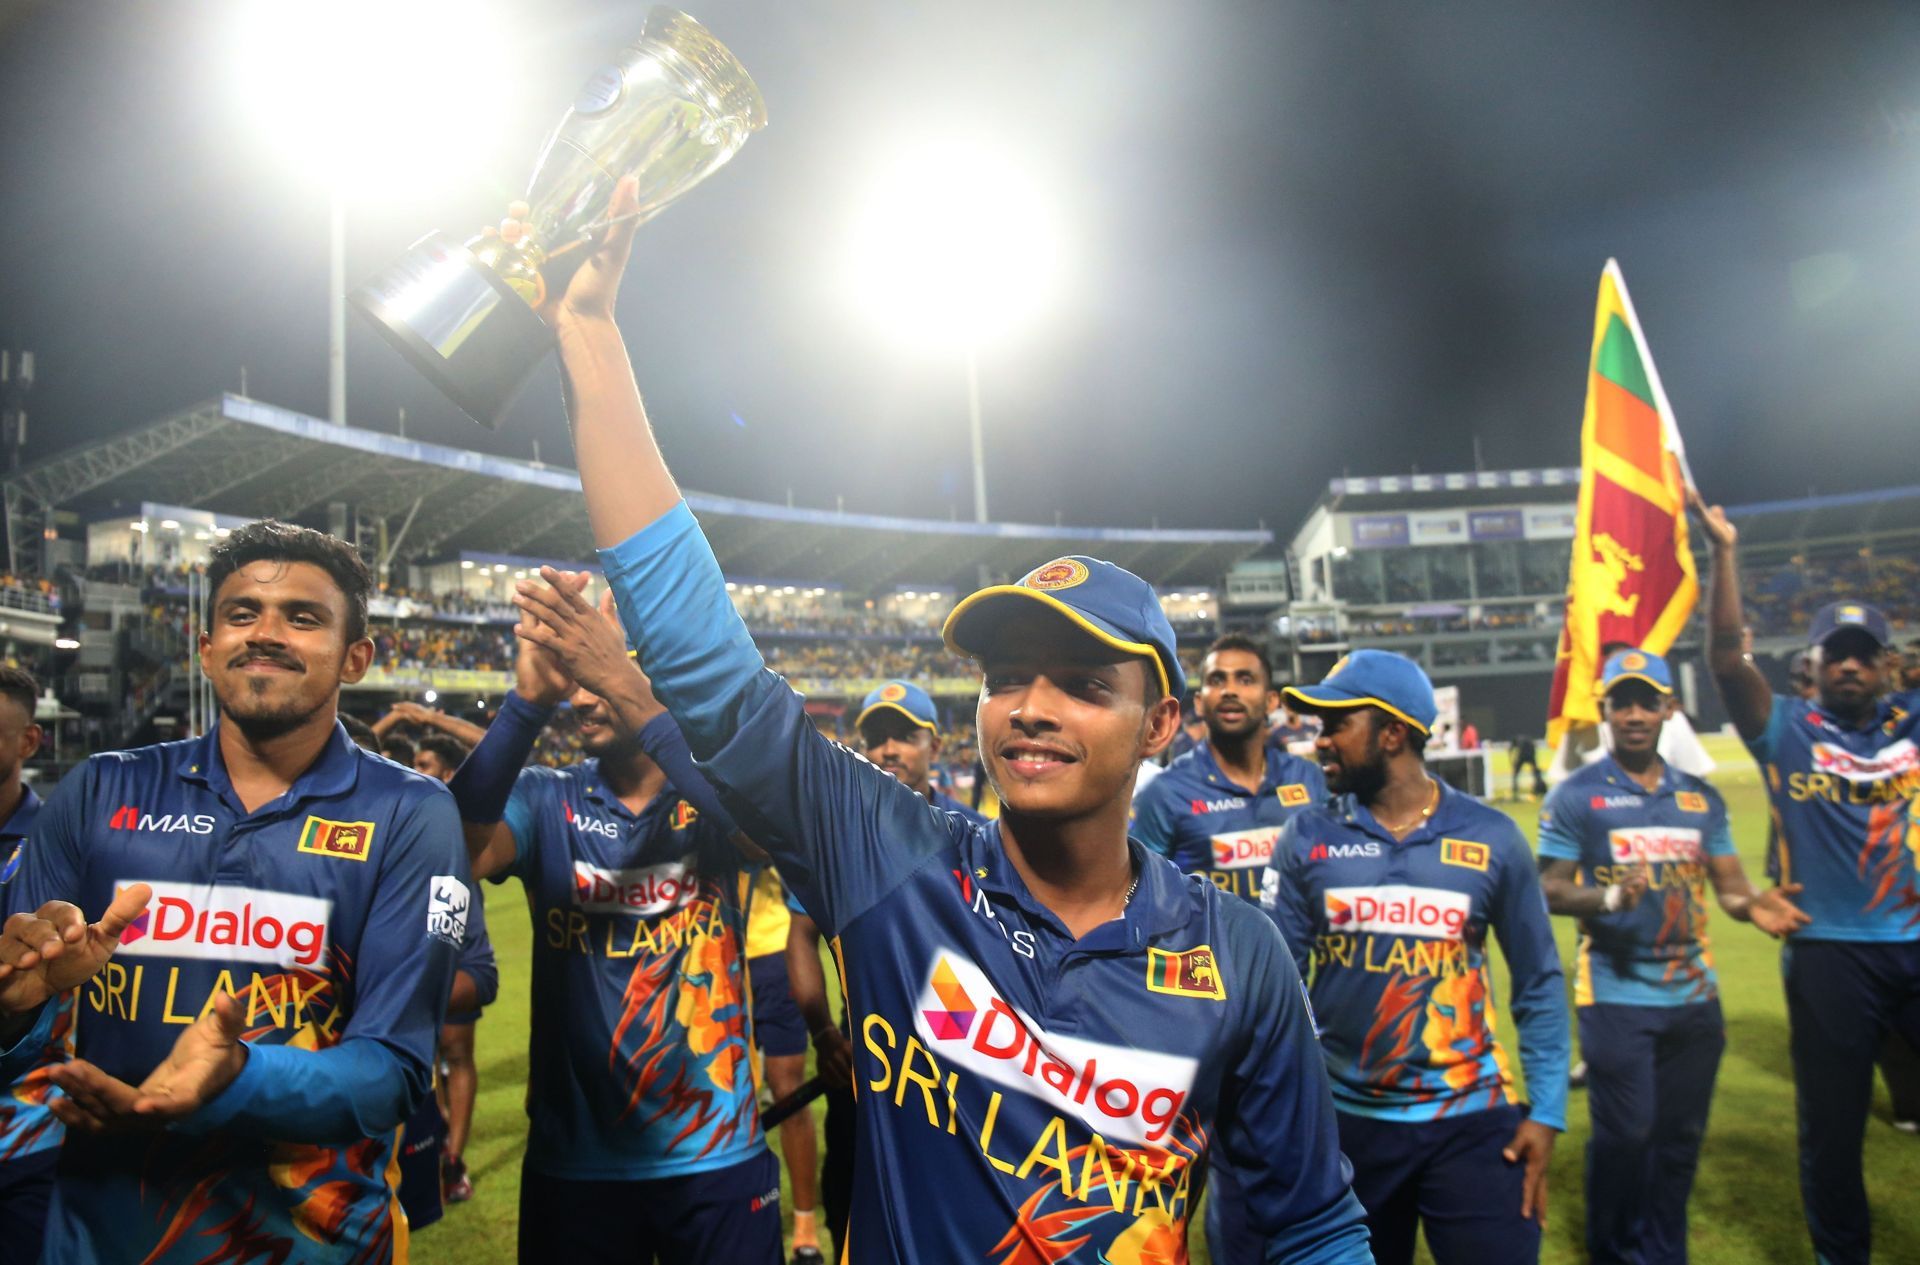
pixel 240 1097
pixel 1558 845
pixel 23 1053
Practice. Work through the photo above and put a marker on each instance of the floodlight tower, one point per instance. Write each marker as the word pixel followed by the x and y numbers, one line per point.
pixel 956 248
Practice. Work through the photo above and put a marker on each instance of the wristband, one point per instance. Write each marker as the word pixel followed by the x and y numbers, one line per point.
pixel 1614 897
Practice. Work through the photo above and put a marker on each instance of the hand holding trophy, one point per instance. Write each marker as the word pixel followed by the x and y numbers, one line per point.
pixel 672 110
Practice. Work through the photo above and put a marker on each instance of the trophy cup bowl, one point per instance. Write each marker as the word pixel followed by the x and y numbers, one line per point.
pixel 671 110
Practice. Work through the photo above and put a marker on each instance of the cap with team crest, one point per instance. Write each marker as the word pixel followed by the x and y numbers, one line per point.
pixel 1636 665
pixel 1372 678
pixel 1841 616
pixel 904 697
pixel 1110 604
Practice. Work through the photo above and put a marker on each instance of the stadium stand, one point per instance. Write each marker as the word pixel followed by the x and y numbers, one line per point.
pixel 1465 572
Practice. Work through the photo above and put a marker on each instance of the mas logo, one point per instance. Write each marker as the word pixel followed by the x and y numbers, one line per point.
pixel 1294 795
pixel 1118 1091
pixel 350 840
pixel 1061 573
pixel 1690 801
pixel 1244 849
pixel 1190 973
pixel 1342 851
pixel 1465 853
pixel 229 924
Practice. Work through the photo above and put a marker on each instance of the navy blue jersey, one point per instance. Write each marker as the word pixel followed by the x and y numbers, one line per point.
pixel 1206 823
pixel 27 1127
pixel 333 913
pixel 1840 799
pixel 1022 1095
pixel 947 803
pixel 1657 953
pixel 477 961
pixel 1395 934
pixel 640 1035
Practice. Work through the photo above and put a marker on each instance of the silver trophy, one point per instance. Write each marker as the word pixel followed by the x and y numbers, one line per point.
pixel 674 108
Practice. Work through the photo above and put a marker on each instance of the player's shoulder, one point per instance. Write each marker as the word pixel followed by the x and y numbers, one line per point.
pixel 1183 771
pixel 1478 820
pixel 1694 784
pixel 377 776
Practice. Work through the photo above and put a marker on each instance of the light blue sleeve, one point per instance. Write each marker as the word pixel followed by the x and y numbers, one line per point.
pixel 522 818
pixel 1719 829
pixel 1562 825
pixel 357 1089
pixel 1777 721
pixel 1539 1001
pixel 25 1052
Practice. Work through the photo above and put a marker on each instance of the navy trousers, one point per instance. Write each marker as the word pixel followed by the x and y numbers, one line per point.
pixel 1842 1000
pixel 1650 1072
pixel 1448 1174
pixel 726 1215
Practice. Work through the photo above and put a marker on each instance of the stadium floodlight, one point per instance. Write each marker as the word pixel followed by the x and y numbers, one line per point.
pixel 431 696
pixel 957 247
pixel 395 95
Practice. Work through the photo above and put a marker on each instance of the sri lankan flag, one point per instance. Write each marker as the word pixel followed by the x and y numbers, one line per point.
pixel 1632 579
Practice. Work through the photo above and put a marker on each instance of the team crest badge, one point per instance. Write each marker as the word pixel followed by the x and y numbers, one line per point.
pixel 1193 973
pixel 1294 795
pixel 1851 614
pixel 1061 573
pixel 1690 801
pixel 1634 662
pixel 1464 853
pixel 348 840
pixel 892 692
pixel 684 815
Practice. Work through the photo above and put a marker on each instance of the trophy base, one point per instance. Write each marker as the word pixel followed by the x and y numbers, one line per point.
pixel 457 322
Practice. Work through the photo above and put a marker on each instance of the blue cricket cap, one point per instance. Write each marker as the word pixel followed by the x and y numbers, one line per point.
pixel 1110 604
pixel 904 697
pixel 1840 616
pixel 1636 665
pixel 1372 678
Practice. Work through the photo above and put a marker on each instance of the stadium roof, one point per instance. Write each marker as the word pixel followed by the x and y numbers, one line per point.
pixel 1845 518
pixel 239 456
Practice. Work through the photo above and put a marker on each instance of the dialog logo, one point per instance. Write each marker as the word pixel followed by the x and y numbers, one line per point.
pixel 1432 913
pixel 1244 849
pixel 229 924
pixel 1655 845
pixel 1891 761
pixel 645 890
pixel 1118 1091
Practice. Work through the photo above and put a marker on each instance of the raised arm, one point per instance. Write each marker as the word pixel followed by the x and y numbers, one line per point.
pixel 1743 689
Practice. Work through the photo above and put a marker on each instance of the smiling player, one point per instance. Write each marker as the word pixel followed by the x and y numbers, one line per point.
pixel 1052 1027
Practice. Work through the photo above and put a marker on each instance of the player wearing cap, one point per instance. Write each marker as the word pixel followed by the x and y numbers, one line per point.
pixel 643 1124
pixel 899 731
pixel 1628 845
pixel 1216 812
pixel 1053 1028
pixel 268 1022
pixel 1841 771
pixel 1389 891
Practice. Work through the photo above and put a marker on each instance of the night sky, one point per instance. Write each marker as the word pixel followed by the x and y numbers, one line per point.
pixel 1305 239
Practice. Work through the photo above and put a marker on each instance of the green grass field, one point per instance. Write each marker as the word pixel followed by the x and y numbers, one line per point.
pixel 1746 1201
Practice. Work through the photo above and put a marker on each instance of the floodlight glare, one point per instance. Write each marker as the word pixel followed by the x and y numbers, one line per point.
pixel 954 246
pixel 373 92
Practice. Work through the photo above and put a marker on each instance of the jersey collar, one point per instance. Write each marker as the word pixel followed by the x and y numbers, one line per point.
pixel 1616 775
pixel 1216 776
pixel 334 772
pixel 1360 817
pixel 16 826
pixel 1160 905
